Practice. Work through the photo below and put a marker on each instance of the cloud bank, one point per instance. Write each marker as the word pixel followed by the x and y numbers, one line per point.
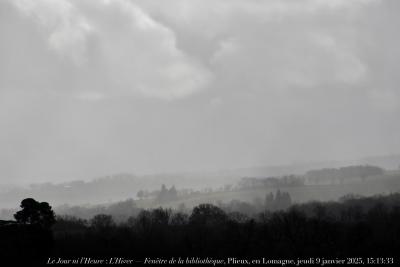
pixel 89 87
pixel 115 42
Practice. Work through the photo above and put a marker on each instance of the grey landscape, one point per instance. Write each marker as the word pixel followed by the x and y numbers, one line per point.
pixel 122 107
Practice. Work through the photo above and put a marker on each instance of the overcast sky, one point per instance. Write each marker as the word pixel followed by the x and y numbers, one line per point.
pixel 91 87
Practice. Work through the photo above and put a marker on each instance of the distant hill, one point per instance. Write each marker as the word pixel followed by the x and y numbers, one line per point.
pixel 108 188
pixel 389 162
pixel 116 187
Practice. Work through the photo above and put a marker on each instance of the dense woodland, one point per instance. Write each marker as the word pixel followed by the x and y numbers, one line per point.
pixel 353 226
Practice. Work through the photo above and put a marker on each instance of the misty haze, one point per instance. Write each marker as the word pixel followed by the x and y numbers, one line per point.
pixel 137 130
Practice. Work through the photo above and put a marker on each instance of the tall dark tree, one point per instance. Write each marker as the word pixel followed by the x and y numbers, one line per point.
pixel 35 213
